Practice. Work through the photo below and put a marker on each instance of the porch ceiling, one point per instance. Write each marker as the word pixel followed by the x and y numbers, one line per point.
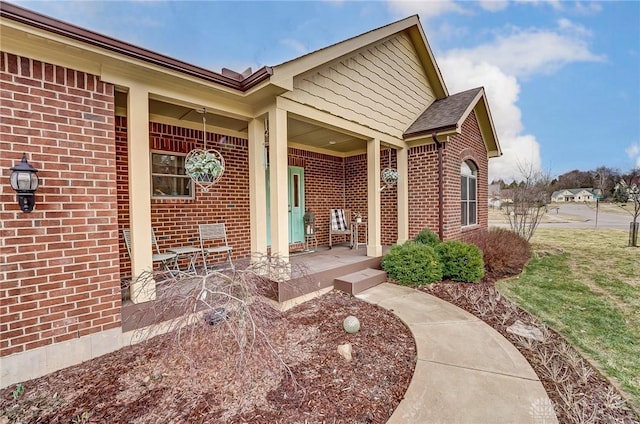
pixel 301 133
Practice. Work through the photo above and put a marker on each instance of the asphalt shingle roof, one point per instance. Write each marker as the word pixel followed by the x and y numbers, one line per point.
pixel 443 113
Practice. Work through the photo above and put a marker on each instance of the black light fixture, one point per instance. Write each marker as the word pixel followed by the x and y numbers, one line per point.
pixel 25 182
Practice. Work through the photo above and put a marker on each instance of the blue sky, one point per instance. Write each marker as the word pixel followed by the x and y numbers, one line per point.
pixel 562 77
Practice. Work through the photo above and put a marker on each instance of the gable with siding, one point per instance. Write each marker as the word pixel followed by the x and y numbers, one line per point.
pixel 382 86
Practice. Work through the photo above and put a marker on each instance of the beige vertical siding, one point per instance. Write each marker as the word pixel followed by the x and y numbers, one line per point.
pixel 382 86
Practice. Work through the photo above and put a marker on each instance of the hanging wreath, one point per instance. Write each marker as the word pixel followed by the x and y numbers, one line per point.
pixel 390 175
pixel 204 167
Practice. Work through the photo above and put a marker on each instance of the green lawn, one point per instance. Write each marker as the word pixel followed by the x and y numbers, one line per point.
pixel 585 283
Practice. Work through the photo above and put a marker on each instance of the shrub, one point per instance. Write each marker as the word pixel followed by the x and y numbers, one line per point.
pixel 505 253
pixel 428 237
pixel 412 264
pixel 460 261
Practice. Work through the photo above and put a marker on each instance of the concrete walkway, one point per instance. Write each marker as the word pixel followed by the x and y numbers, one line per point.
pixel 466 371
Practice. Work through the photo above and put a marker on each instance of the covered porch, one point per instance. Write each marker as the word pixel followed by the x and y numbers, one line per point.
pixel 311 272
pixel 337 168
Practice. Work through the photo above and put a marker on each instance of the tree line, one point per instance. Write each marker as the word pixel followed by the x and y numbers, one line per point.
pixel 604 178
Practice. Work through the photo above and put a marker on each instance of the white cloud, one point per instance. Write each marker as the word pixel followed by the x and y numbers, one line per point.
pixel 555 4
pixel 494 5
pixel 461 73
pixel 426 9
pixel 297 46
pixel 527 52
pixel 588 7
pixel 633 152
pixel 498 65
pixel 566 25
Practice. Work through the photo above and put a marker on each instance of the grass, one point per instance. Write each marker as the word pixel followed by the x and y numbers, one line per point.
pixel 585 283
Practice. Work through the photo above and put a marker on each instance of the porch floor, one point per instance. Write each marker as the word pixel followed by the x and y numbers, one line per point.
pixel 310 271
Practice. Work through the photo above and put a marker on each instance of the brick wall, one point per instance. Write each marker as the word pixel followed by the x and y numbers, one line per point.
pixel 59 263
pixel 176 220
pixel 423 189
pixel 324 185
pixel 465 146
pixel 423 184
pixel 357 195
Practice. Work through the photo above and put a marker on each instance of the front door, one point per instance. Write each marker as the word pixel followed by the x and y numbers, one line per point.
pixel 296 205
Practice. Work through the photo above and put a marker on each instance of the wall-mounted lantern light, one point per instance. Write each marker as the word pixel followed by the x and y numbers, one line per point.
pixel 25 182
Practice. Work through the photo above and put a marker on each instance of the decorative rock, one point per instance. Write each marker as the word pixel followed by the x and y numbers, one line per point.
pixel 351 324
pixel 345 351
pixel 521 329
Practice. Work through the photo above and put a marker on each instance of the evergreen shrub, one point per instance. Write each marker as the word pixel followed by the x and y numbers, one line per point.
pixel 460 261
pixel 412 264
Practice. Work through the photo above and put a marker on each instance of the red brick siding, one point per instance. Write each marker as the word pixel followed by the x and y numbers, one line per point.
pixel 423 189
pixel 59 263
pixel 465 146
pixel 423 184
pixel 356 193
pixel 176 220
pixel 324 186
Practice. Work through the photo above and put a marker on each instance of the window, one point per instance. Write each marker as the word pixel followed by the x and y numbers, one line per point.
pixel 469 193
pixel 168 177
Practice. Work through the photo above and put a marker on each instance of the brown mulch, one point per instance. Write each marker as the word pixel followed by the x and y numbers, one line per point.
pixel 209 380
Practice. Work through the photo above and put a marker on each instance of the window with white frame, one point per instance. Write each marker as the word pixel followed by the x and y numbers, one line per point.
pixel 469 193
pixel 168 178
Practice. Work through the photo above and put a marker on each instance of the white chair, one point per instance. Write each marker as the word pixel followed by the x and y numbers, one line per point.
pixel 340 224
pixel 213 241
pixel 166 259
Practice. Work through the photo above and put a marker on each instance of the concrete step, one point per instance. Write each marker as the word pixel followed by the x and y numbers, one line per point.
pixel 359 281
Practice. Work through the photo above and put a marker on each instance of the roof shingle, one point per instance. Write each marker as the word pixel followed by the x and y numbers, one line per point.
pixel 443 114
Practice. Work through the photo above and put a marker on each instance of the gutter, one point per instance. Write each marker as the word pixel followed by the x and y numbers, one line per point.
pixel 36 20
pixel 440 146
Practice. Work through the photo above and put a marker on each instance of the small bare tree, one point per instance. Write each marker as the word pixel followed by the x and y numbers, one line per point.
pixel 627 195
pixel 222 324
pixel 528 201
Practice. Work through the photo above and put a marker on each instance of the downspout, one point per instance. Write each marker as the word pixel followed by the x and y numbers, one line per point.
pixel 440 145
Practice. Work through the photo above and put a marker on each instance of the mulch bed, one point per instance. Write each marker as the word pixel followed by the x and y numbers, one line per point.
pixel 200 378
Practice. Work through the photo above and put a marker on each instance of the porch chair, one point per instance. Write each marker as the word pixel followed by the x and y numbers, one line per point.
pixel 166 259
pixel 213 241
pixel 340 224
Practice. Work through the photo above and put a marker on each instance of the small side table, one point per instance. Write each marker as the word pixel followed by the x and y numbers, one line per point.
pixel 356 234
pixel 188 252
pixel 310 239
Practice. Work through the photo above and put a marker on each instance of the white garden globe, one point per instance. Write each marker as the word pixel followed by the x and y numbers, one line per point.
pixel 351 324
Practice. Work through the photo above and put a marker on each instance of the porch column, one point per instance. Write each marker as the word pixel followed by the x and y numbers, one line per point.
pixel 278 183
pixel 403 195
pixel 139 193
pixel 257 184
pixel 374 246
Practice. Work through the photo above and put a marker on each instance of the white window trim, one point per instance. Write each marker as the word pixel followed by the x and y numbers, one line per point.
pixel 152 174
pixel 473 176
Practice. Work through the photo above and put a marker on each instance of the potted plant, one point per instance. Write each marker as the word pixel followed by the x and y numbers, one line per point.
pixel 358 217
pixel 390 176
pixel 204 165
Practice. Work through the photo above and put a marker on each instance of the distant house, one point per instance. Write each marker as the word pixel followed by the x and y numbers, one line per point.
pixel 495 195
pixel 577 195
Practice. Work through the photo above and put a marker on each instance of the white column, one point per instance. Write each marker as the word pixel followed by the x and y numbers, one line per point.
pixel 142 290
pixel 403 195
pixel 257 183
pixel 374 246
pixel 279 184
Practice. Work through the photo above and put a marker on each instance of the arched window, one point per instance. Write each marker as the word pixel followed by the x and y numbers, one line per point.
pixel 469 193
